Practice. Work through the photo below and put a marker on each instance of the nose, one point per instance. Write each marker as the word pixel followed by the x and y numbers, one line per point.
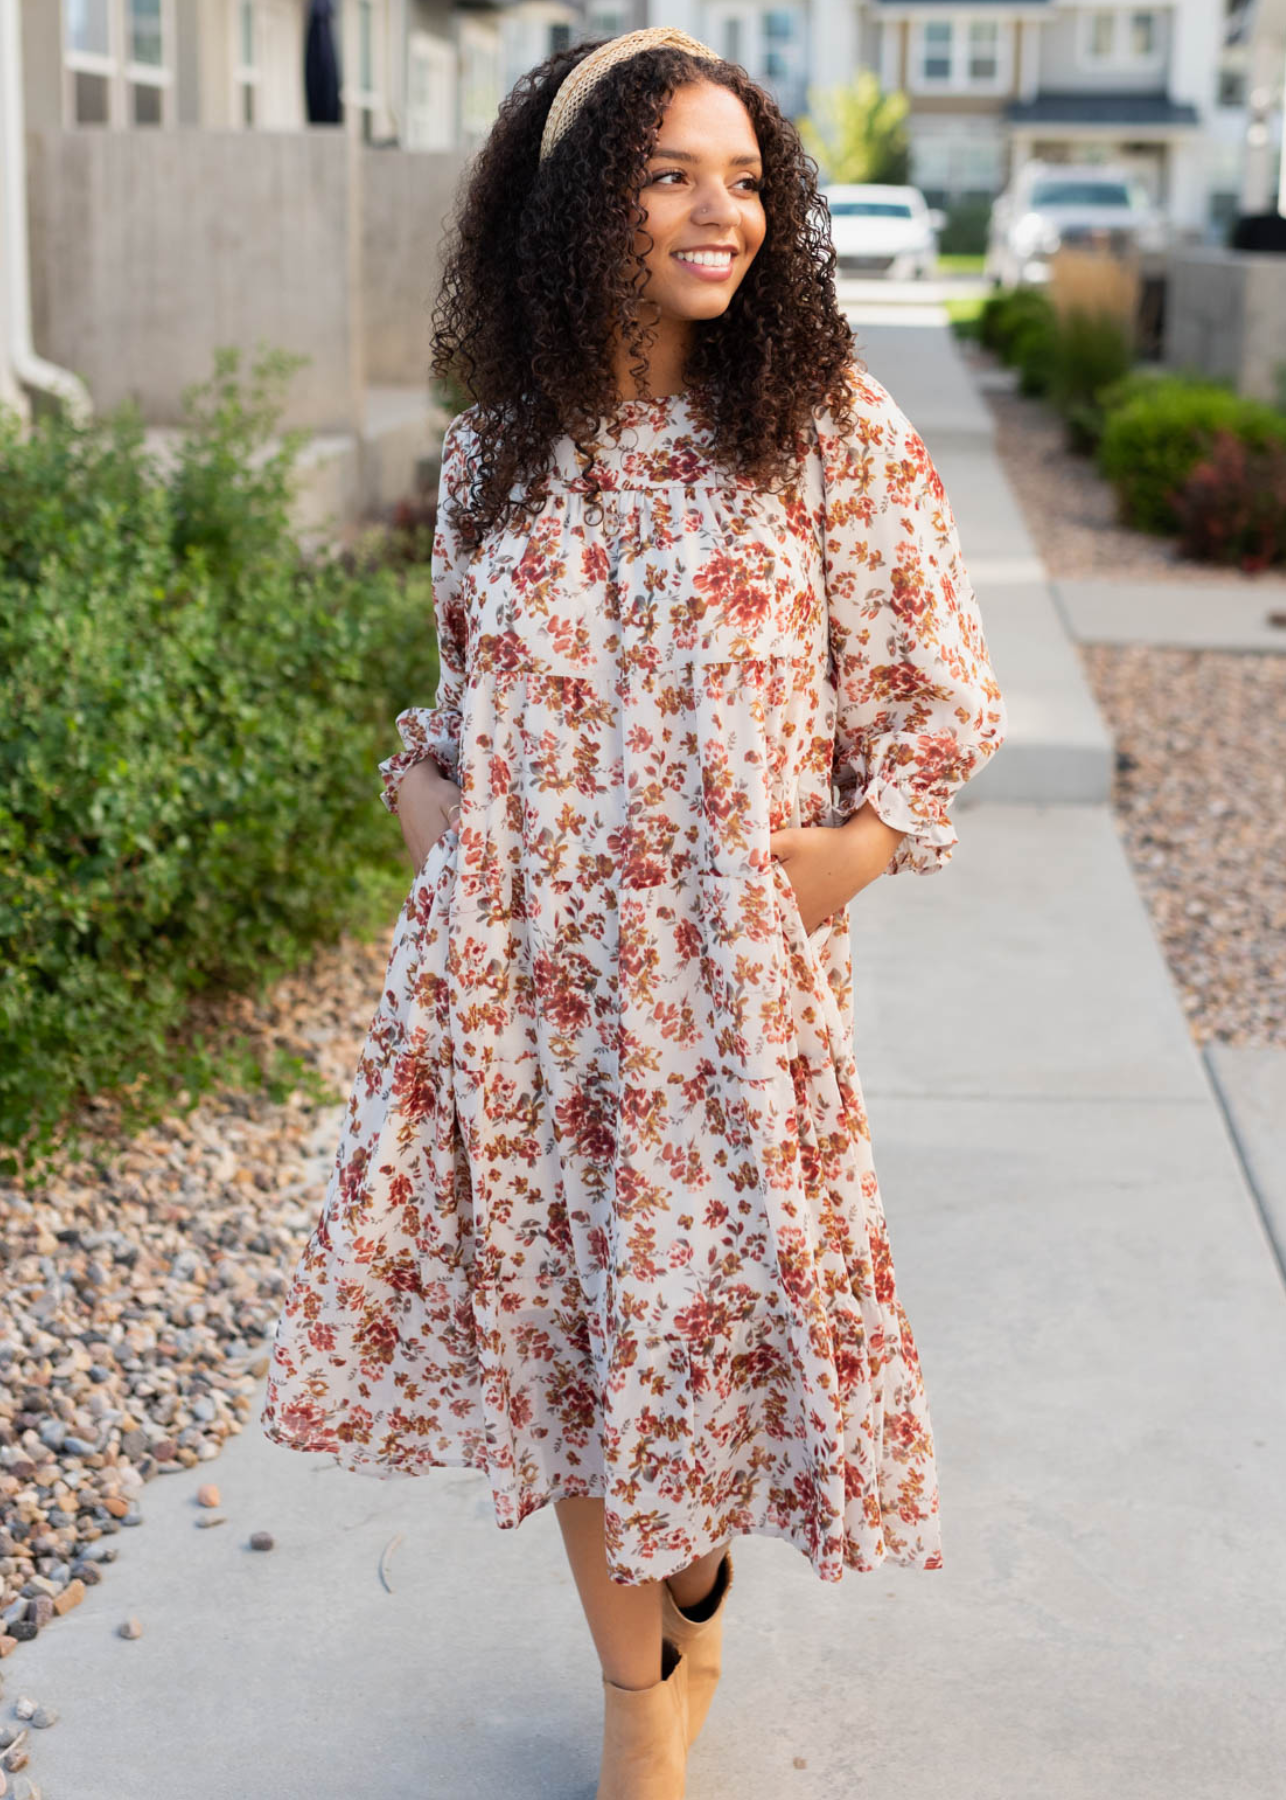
pixel 712 204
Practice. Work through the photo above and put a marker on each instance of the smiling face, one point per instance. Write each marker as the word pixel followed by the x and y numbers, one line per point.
pixel 704 214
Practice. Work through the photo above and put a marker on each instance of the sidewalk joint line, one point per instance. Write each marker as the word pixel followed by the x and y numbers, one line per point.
pixel 1256 1194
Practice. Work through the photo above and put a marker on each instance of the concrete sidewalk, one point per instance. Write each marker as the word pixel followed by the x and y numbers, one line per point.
pixel 1103 1333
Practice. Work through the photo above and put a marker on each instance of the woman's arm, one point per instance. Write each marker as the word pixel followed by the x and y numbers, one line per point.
pixel 918 707
pixel 421 781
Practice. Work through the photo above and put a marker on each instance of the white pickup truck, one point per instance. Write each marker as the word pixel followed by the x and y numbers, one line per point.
pixel 1048 205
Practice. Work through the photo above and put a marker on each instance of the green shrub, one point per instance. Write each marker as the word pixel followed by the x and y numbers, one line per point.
pixel 1034 349
pixel 1094 350
pixel 1143 379
pixel 1006 315
pixel 1151 444
pixel 965 231
pixel 190 718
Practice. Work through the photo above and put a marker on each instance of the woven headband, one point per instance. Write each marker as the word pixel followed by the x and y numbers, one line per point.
pixel 578 82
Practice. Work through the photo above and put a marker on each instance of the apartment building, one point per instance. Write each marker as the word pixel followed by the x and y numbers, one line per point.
pixel 422 74
pixel 993 83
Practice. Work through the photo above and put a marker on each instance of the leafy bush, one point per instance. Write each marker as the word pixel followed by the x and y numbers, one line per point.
pixel 965 232
pixel 190 718
pixel 1094 350
pixel 1232 507
pixel 1007 314
pixel 1034 348
pixel 1151 444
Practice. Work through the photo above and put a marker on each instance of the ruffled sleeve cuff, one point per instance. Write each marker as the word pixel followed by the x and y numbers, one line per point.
pixel 930 836
pixel 427 732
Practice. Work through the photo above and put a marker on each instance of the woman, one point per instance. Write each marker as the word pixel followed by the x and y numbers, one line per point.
pixel 603 1221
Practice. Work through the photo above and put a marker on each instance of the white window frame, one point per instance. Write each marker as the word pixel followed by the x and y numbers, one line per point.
pixel 120 71
pixel 246 75
pixel 755 45
pixel 1119 57
pixel 957 80
pixel 480 53
pixel 358 100
pixel 607 20
pixel 426 127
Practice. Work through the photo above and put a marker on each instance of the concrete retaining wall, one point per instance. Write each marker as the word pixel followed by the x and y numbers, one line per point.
pixel 151 249
pixel 406 195
pixel 1226 316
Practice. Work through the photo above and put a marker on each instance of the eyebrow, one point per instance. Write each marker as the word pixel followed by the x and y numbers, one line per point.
pixel 687 156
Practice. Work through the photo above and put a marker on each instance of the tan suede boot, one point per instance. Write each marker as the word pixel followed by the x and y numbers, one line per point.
pixel 701 1642
pixel 645 1735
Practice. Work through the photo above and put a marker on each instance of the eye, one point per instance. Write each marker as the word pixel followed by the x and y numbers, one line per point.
pixel 753 180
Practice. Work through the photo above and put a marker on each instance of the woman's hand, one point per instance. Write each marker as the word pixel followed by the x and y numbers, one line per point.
pixel 827 864
pixel 426 805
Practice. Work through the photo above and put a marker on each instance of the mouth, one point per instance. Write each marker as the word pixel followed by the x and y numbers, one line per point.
pixel 710 264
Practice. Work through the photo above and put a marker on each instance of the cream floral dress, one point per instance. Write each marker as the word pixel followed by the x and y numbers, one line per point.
pixel 603 1217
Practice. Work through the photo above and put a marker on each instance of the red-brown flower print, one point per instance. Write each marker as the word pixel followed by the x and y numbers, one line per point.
pixel 603 1216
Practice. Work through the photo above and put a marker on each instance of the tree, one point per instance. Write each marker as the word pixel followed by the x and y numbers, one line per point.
pixel 858 132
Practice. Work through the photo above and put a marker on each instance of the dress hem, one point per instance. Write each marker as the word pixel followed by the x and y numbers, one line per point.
pixel 535 1499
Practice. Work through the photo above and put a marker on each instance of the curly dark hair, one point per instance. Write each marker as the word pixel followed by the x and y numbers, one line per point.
pixel 540 273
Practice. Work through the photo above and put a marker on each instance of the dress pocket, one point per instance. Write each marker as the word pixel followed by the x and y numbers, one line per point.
pixel 814 939
pixel 435 854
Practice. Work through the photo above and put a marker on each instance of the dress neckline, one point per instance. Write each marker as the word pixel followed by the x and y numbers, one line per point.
pixel 640 403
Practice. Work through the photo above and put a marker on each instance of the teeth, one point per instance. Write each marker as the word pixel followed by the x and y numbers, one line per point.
pixel 708 259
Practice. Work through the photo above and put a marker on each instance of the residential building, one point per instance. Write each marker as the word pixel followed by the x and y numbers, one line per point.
pixel 422 74
pixel 1253 76
pixel 1002 82
pixel 994 83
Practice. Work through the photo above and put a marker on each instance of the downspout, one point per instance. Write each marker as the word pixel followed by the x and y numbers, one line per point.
pixel 30 371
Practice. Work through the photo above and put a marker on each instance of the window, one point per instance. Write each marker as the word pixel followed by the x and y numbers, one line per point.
pixel 1232 87
pixel 247 73
pixel 984 50
pixel 362 95
pixel 951 163
pixel 1102 34
pixel 365 46
pixel 479 78
pixel 732 40
pixel 1143 34
pixel 869 209
pixel 560 36
pixel 145 32
pixel 430 107
pixel 964 55
pixel 606 21
pixel 1080 192
pixel 89 27
pixel 937 50
pixel 117 57
pixel 1119 38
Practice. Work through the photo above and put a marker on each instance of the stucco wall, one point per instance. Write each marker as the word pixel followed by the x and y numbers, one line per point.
pixel 1226 317
pixel 406 195
pixel 149 249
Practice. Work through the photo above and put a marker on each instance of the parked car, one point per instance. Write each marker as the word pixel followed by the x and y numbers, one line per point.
pixel 1048 205
pixel 883 230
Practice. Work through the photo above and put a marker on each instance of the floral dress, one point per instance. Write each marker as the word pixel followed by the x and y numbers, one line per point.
pixel 603 1218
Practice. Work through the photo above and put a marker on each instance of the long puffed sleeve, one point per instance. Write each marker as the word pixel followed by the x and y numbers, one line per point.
pixel 918 708
pixel 434 731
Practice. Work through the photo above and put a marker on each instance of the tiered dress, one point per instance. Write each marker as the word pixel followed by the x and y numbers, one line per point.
pixel 603 1218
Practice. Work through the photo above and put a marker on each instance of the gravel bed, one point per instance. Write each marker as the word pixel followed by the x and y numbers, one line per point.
pixel 1200 796
pixel 1071 510
pixel 141 1282
pixel 1200 786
